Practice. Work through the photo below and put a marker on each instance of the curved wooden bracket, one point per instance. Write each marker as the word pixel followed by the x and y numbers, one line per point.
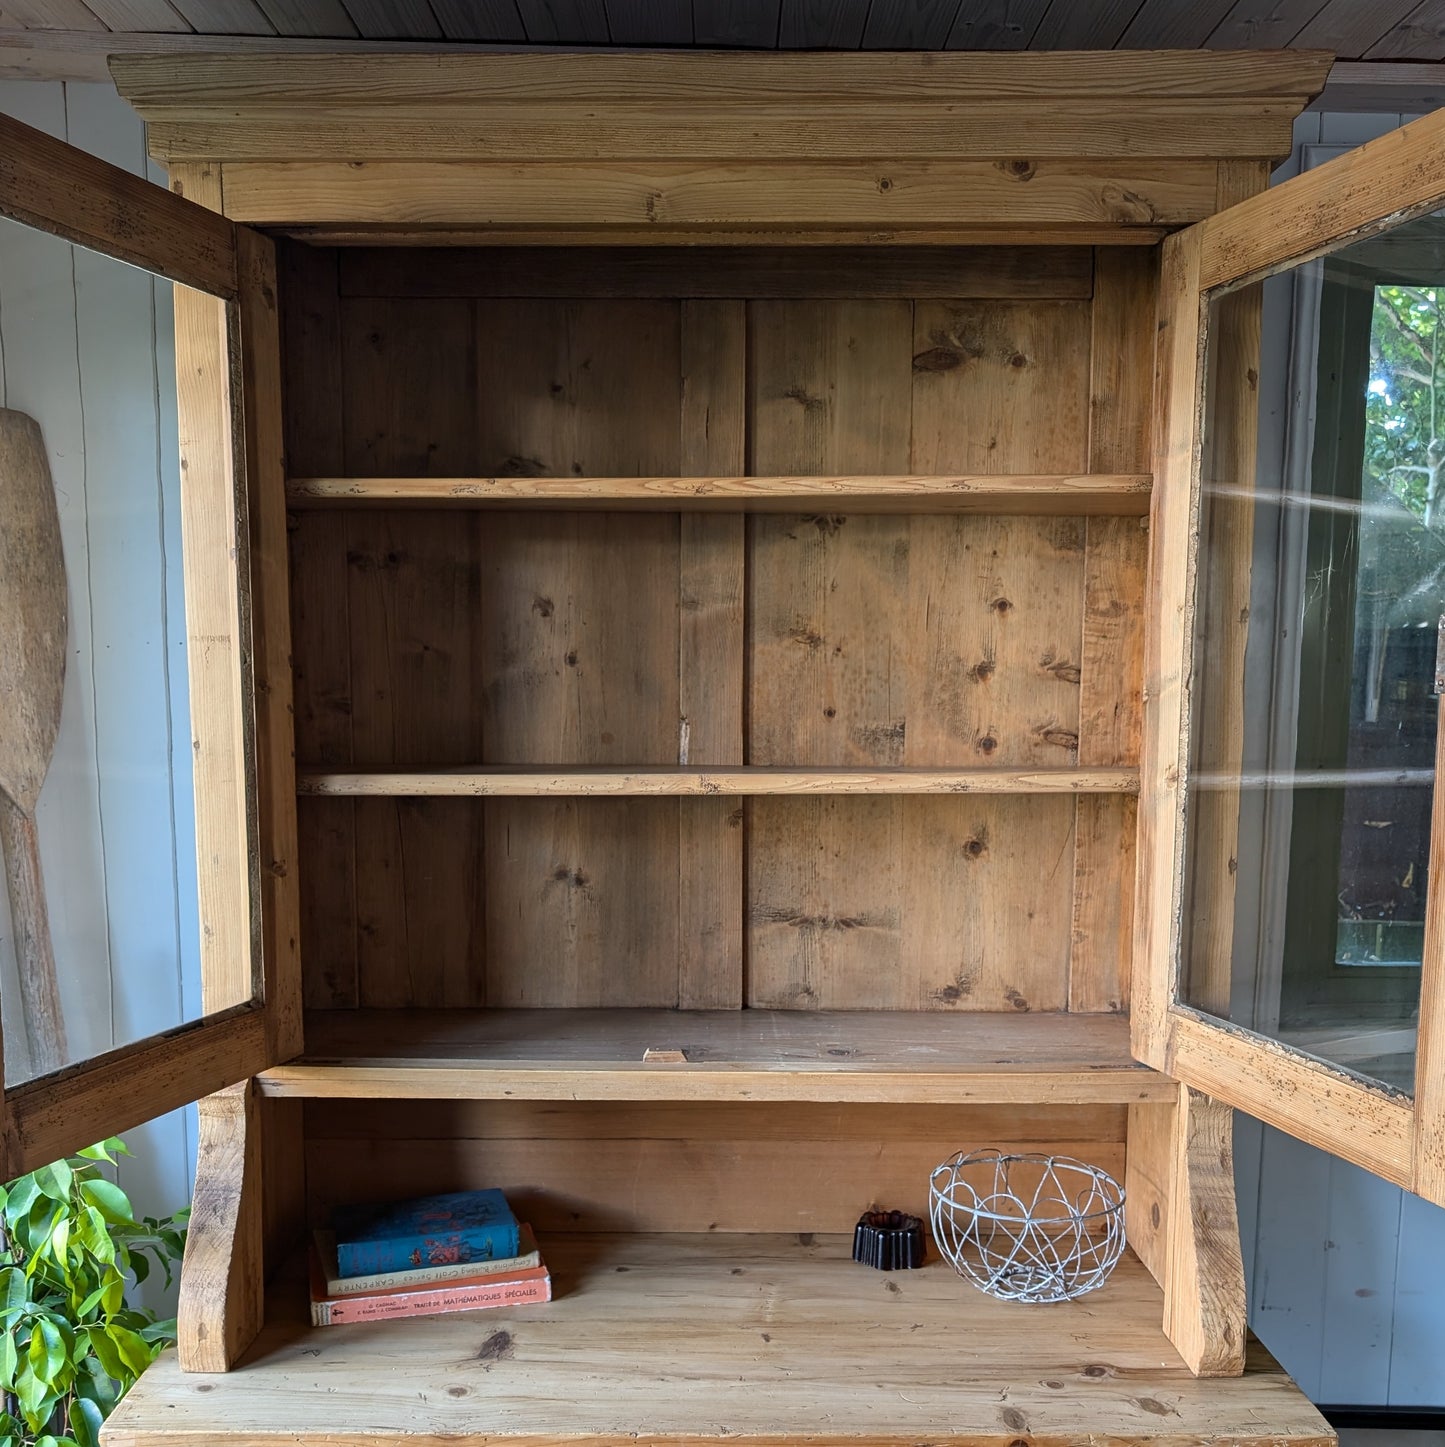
pixel 222 1282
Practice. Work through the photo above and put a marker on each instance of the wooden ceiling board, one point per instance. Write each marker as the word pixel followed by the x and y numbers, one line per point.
pixel 479 20
pixel 225 17
pixel 53 15
pixel 1263 24
pixel 1174 24
pixel 1068 25
pixel 649 22
pixel 996 24
pixel 909 24
pixel 159 17
pixel 1419 36
pixel 394 19
pixel 1351 27
pixel 822 24
pixel 320 18
pixel 564 22
pixel 726 24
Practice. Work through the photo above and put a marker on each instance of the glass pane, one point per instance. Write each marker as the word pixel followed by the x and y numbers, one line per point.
pixel 95 733
pixel 1321 590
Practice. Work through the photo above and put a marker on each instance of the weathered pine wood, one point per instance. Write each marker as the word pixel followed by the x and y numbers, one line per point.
pixel 57 188
pixel 662 202
pixel 514 130
pixel 1398 174
pixel 222 1297
pixel 731 1184
pixel 113 1093
pixel 670 239
pixel 1313 1101
pixel 543 781
pixel 731 1055
pixel 326 828
pixel 276 892
pixel 33 600
pixel 710 657
pixel 413 609
pixel 217 567
pixel 780 1311
pixel 1428 1166
pixel 1228 437
pixel 925 641
pixel 582 666
pixel 1204 1314
pixel 753 273
pixel 1169 606
pixel 157 84
pixel 1121 374
pixel 988 492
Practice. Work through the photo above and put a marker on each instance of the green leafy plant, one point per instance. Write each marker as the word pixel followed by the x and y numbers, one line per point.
pixel 69 1248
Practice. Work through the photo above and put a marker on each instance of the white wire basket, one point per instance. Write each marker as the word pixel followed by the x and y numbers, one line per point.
pixel 1033 1228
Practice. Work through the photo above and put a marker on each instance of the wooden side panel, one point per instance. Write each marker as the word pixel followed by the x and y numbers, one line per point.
pixel 920 640
pixel 1171 553
pixel 320 620
pixel 1111 683
pixel 677 1167
pixel 214 555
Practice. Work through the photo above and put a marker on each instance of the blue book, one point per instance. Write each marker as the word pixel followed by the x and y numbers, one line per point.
pixel 431 1231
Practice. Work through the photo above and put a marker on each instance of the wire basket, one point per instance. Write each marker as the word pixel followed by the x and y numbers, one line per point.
pixel 1027 1227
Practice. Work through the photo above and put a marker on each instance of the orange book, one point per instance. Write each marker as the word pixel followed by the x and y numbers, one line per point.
pixel 514 1288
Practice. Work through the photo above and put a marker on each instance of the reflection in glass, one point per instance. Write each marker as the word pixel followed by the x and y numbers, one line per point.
pixel 87 353
pixel 1320 595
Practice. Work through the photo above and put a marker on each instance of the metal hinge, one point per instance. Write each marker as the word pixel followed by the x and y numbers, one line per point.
pixel 1440 655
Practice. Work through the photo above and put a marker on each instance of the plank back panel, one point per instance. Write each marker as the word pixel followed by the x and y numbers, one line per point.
pixel 656 639
pixel 925 640
pixel 677 1167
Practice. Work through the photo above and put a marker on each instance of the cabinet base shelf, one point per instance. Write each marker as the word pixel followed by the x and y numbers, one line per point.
pixel 760 1340
pixel 781 1055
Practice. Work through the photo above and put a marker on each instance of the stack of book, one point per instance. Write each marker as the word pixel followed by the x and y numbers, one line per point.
pixel 457 1252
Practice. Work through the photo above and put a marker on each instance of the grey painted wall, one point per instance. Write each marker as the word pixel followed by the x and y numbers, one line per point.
pixel 1346 1273
pixel 86 348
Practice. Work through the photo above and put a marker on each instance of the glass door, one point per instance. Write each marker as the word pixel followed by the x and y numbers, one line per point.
pixel 1292 936
pixel 161 786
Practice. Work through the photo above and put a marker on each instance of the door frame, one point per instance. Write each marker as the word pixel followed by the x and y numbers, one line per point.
pixel 1386 181
pixel 238 644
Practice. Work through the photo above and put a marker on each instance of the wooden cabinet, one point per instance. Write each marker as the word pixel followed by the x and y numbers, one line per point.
pixel 716 546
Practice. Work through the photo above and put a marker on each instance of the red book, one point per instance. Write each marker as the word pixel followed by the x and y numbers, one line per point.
pixel 515 1288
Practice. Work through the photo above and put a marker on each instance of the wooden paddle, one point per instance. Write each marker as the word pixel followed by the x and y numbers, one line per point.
pixel 33 641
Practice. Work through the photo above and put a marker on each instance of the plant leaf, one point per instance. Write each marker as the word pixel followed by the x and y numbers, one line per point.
pixel 134 1352
pixel 106 1353
pixel 54 1180
pixel 9 1362
pixel 47 1352
pixel 109 1200
pixel 85 1420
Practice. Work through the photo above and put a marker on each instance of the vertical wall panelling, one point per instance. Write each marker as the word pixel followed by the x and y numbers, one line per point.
pixel 86 348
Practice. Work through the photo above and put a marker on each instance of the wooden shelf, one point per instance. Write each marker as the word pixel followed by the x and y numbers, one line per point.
pixel 794 1055
pixel 1068 494
pixel 555 781
pixel 749 1339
